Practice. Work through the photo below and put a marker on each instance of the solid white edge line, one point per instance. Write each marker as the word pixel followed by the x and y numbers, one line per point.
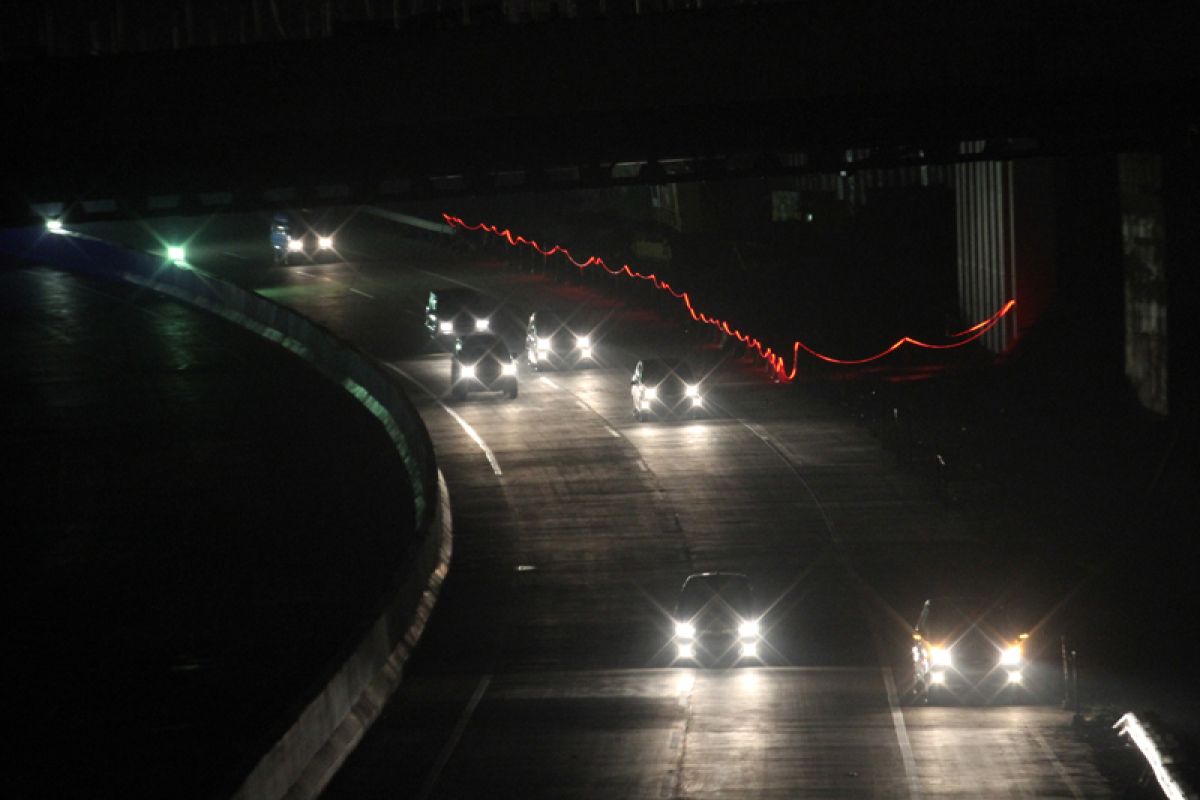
pixel 455 735
pixel 466 426
pixel 364 294
pixel 550 383
pixel 1058 765
pixel 906 753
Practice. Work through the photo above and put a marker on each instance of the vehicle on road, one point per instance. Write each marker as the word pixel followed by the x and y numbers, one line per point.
pixel 551 343
pixel 451 313
pixel 482 363
pixel 293 241
pixel 665 388
pixel 716 620
pixel 970 651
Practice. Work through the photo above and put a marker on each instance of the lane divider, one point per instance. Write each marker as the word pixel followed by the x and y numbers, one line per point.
pixel 466 426
pixel 774 360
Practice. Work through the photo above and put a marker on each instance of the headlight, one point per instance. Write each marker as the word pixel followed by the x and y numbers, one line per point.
pixel 749 650
pixel 54 225
pixel 1011 656
pixel 685 630
pixel 466 372
pixel 482 324
pixel 937 678
pixel 324 242
pixel 545 344
pixel 650 392
pixel 940 656
pixel 748 629
pixel 586 352
pixel 583 341
pixel 177 253
pixel 446 327
pixel 697 402
pixel 509 368
pixel 692 391
pixel 1014 676
pixel 685 650
pixel 295 245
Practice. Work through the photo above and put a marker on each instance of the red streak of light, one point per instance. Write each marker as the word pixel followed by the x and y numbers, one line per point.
pixel 776 362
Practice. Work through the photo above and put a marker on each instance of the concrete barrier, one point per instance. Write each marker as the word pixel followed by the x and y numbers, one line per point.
pixel 305 752
pixel 304 760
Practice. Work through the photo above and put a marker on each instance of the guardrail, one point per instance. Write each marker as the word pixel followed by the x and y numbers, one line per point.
pixel 1154 750
pixel 305 752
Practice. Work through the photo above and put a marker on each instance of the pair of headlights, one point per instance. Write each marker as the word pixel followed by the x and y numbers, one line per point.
pixel 481 324
pixel 747 629
pixel 297 245
pixel 691 390
pixel 941 656
pixel 467 371
pixel 938 677
pixel 582 342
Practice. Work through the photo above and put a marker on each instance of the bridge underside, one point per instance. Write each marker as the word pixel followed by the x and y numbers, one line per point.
pixel 749 90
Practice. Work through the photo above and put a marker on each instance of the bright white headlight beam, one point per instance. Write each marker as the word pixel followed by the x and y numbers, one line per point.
pixel 940 656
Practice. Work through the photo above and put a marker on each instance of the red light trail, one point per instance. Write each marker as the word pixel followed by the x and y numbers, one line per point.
pixel 773 359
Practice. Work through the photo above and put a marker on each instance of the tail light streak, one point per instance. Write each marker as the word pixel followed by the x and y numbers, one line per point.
pixel 774 360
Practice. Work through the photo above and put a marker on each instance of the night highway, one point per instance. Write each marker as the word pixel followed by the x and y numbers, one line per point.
pixel 617 399
pixel 549 669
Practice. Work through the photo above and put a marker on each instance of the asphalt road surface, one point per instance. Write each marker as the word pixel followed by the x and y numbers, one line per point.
pixel 546 670
pixel 194 519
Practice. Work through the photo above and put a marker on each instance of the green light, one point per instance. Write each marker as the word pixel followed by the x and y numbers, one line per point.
pixel 177 253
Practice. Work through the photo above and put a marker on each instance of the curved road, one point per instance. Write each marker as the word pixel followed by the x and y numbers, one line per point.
pixel 194 518
pixel 544 672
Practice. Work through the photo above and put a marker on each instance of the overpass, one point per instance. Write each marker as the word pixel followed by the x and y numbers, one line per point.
pixel 416 111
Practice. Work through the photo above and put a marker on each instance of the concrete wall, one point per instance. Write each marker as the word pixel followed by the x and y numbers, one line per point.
pixel 303 758
pixel 1143 240
pixel 1005 222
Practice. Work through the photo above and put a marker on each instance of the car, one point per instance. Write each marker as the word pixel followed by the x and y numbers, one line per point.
pixel 482 363
pixel 716 621
pixel 971 651
pixel 292 241
pixel 665 388
pixel 456 312
pixel 551 343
